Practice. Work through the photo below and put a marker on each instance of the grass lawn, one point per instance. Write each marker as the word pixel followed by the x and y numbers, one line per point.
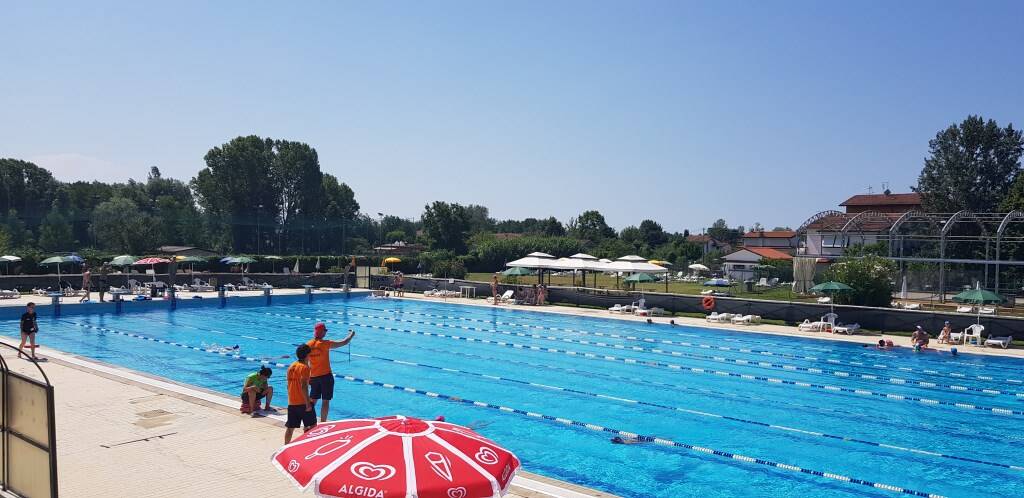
pixel 783 293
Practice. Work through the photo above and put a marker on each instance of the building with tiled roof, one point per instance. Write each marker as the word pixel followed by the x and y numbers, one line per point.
pixel 867 221
pixel 740 264
pixel 783 240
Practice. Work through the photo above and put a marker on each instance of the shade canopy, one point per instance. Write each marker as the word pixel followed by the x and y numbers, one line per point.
pixel 10 259
pixel 585 256
pixel 537 260
pixel 239 260
pixel 189 259
pixel 830 287
pixel 517 272
pixel 640 278
pixel 978 296
pixel 698 267
pixel 634 264
pixel 123 260
pixel 391 259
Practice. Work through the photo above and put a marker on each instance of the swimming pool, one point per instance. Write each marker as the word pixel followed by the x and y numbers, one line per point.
pixel 736 414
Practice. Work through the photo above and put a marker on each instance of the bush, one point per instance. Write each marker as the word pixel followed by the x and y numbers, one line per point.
pixel 451 268
pixel 870 276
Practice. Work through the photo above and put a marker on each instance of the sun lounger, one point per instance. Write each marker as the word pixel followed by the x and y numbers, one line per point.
pixel 617 308
pixel 746 319
pixel 762 283
pixel 847 329
pixel 656 311
pixel 504 298
pixel 965 309
pixel 720 317
pixel 912 306
pixel 40 292
pixel 199 286
pixel 986 310
pixel 824 300
pixel 9 294
pixel 999 341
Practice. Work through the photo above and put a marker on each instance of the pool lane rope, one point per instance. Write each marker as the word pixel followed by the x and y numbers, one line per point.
pixel 634 380
pixel 717 359
pixel 701 345
pixel 680 368
pixel 560 420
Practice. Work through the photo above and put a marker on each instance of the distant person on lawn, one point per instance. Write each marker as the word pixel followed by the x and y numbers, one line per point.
pixel 300 407
pixel 29 327
pixel 256 388
pixel 321 381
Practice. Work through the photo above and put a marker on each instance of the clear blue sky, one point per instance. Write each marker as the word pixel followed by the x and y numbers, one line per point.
pixel 682 112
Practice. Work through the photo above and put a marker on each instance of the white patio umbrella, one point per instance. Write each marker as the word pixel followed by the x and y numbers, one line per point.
pixel 317 263
pixel 903 289
pixel 8 260
pixel 634 264
pixel 296 270
pixel 698 267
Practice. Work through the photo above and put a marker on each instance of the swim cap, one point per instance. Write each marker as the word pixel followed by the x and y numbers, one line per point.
pixel 440 418
pixel 320 330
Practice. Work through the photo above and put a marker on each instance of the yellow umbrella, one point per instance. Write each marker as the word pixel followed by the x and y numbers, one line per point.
pixel 391 259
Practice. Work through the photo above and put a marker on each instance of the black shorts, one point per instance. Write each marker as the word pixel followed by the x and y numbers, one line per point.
pixel 321 387
pixel 260 395
pixel 297 415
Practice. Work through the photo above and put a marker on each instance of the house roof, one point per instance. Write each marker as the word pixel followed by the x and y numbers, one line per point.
pixel 911 199
pixel 763 252
pixel 835 222
pixel 770 234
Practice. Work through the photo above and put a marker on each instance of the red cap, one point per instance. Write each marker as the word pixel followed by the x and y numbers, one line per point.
pixel 320 329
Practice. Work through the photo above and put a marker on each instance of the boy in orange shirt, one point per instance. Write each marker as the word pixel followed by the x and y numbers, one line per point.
pixel 300 407
pixel 321 379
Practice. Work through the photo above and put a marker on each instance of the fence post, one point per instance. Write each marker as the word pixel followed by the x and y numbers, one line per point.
pixel 266 293
pixel 173 298
pixel 309 293
pixel 220 295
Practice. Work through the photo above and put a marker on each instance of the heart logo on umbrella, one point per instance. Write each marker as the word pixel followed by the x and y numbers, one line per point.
pixel 459 492
pixel 293 466
pixel 486 456
pixel 319 431
pixel 372 472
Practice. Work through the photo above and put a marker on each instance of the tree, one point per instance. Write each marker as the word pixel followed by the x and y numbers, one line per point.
pixel 720 231
pixel 870 277
pixel 447 226
pixel 652 234
pixel 1014 200
pixel 971 166
pixel 479 219
pixel 296 170
pixel 55 233
pixel 118 225
pixel 238 178
pixel 591 226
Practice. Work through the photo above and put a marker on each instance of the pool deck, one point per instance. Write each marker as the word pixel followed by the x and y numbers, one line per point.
pixel 125 433
pixel 781 330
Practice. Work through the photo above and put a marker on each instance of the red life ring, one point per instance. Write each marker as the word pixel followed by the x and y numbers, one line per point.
pixel 708 302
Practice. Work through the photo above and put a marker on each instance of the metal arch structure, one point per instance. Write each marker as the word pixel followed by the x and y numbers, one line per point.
pixel 818 216
pixel 1009 218
pixel 952 220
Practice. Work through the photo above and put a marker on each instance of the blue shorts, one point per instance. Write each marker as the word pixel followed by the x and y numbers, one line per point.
pixel 322 387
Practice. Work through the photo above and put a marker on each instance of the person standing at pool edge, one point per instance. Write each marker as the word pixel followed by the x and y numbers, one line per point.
pixel 29 327
pixel 301 410
pixel 321 379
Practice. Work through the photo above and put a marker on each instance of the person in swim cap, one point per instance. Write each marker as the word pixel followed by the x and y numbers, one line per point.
pixel 321 378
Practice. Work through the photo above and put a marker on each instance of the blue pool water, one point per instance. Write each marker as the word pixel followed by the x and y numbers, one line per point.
pixel 925 422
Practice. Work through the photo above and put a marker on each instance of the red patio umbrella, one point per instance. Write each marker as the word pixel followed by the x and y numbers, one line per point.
pixel 153 262
pixel 397 456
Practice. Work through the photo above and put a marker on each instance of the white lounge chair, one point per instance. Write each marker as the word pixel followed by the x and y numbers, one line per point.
pixel 618 308
pixel 9 294
pixel 762 283
pixel 199 286
pixel 987 310
pixel 721 318
pixel 40 292
pixel 746 319
pixel 824 300
pixel 965 309
pixel 713 317
pixel 912 306
pixel 773 282
pixel 970 334
pixel 503 298
pixel 847 329
pixel 999 341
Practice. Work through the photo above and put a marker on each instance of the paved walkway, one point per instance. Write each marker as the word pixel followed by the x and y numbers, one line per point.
pixel 863 338
pixel 124 433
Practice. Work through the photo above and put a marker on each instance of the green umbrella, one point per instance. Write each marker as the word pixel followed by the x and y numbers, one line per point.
pixel 640 278
pixel 978 296
pixel 191 260
pixel 517 272
pixel 831 288
pixel 124 260
pixel 57 260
